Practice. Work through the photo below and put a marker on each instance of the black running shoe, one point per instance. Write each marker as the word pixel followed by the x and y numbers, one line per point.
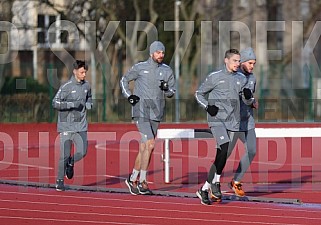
pixel 143 188
pixel 132 186
pixel 216 191
pixel 203 195
pixel 69 169
pixel 60 185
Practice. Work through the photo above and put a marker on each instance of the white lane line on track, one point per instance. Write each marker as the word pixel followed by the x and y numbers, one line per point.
pixel 26 165
pixel 182 155
pixel 156 209
pixel 79 176
pixel 68 220
pixel 76 176
pixel 121 200
pixel 24 210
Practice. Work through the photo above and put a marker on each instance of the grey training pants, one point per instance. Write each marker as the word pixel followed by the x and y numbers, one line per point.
pixel 249 140
pixel 66 139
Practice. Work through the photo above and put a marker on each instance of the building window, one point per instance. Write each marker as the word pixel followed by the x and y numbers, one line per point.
pixel 44 37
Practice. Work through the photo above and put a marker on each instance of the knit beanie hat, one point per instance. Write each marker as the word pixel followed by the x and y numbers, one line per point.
pixel 156 46
pixel 247 54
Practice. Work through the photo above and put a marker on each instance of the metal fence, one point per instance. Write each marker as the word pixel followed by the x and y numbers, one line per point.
pixel 27 108
pixel 276 104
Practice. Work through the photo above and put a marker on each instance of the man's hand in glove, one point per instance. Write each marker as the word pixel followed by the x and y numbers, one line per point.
pixel 212 110
pixel 133 99
pixel 247 93
pixel 164 85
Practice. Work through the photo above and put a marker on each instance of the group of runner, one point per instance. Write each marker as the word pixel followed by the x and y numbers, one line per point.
pixel 226 95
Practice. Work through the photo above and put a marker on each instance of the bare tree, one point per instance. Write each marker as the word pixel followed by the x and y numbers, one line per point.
pixel 107 16
pixel 191 56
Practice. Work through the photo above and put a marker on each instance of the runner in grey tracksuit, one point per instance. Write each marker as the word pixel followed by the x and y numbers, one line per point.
pixel 222 103
pixel 154 81
pixel 72 101
pixel 147 76
pixel 223 89
pixel 247 125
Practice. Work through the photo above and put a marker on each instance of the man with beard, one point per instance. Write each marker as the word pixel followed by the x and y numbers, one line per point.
pixel 247 125
pixel 153 80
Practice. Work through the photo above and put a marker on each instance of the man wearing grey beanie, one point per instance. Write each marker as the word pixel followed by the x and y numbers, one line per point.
pixel 153 81
pixel 247 124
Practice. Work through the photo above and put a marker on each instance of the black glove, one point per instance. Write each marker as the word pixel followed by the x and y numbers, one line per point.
pixel 212 110
pixel 247 93
pixel 164 85
pixel 133 99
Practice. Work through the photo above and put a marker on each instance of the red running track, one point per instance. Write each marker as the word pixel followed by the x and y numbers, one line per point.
pixel 283 168
pixel 25 205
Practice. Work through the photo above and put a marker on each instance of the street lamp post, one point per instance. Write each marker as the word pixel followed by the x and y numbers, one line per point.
pixel 177 59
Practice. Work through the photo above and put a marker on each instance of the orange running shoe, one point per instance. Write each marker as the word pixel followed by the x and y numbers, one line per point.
pixel 237 188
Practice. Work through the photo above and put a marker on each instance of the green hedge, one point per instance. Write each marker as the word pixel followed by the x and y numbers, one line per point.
pixel 16 85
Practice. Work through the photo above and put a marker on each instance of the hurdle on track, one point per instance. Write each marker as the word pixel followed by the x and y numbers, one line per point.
pixel 171 134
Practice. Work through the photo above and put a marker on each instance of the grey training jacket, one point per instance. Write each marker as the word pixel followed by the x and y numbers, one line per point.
pixel 70 101
pixel 223 89
pixel 247 117
pixel 147 76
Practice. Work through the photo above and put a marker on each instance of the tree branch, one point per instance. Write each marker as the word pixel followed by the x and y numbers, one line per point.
pixel 153 14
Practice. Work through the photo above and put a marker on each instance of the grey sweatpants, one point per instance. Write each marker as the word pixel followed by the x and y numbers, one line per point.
pixel 66 139
pixel 249 140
